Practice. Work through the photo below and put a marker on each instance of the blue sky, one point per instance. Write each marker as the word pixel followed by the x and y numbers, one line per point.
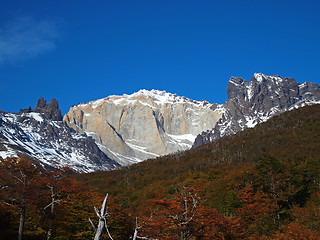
pixel 78 51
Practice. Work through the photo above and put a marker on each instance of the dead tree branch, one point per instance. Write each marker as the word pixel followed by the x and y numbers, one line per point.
pixel 102 225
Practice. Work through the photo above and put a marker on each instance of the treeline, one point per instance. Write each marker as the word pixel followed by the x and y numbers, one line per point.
pixel 263 183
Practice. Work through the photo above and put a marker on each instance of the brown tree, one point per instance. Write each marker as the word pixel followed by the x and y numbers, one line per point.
pixel 186 217
pixel 19 186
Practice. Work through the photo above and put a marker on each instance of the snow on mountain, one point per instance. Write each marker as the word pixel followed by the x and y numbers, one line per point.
pixel 250 103
pixel 145 124
pixel 49 141
pixel 144 96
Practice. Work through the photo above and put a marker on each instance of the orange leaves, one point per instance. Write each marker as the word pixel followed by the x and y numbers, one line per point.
pixel 294 231
pixel 185 217
pixel 20 180
pixel 255 204
pixel 258 210
pixel 214 225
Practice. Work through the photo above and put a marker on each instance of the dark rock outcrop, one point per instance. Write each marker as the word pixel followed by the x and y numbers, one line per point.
pixel 250 103
pixel 50 111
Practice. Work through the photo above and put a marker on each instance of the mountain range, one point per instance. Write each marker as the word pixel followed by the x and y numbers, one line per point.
pixel 121 130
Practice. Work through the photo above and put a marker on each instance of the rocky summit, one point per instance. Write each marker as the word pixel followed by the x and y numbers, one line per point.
pixel 42 135
pixel 145 124
pixel 250 103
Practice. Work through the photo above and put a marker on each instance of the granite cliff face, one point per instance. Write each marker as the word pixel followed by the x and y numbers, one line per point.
pixel 146 124
pixel 42 135
pixel 250 103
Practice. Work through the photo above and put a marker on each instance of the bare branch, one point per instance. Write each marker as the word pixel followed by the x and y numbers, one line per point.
pixel 147 238
pixel 19 179
pixel 102 220
pixel 11 205
pixel 53 202
pixel 105 224
pixel 94 228
pixel 151 214
pixel 103 208
pixel 97 212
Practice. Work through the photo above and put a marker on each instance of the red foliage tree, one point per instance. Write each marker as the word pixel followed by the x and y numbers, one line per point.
pixel 19 183
pixel 186 217
pixel 294 231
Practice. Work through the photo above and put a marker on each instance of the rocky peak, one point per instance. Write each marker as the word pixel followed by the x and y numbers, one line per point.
pixel 156 96
pixel 159 96
pixel 41 103
pixel 145 124
pixel 250 103
pixel 50 111
pixel 27 110
pixel 41 135
pixel 236 87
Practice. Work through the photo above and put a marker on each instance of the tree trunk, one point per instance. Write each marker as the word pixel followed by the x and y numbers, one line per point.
pixel 135 234
pixel 102 220
pixel 49 234
pixel 22 220
pixel 100 230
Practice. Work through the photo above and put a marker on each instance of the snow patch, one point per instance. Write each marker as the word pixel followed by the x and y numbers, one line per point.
pixel 183 137
pixel 251 122
pixel 259 77
pixel 97 103
pixel 250 91
pixel 36 116
pixel 141 149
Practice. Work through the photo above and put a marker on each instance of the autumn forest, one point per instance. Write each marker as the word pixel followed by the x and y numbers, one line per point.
pixel 262 183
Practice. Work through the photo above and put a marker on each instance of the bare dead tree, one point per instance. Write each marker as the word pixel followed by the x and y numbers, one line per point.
pixel 102 225
pixel 54 200
pixel 190 203
pixel 136 230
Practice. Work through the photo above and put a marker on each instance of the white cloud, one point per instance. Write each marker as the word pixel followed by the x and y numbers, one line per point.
pixel 26 38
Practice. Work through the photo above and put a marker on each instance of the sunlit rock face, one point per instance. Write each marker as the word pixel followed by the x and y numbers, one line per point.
pixel 146 124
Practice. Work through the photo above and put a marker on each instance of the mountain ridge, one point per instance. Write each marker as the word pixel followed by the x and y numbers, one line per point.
pixel 41 135
pixel 250 103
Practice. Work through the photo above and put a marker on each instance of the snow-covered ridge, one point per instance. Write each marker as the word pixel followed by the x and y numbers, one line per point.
pixel 260 77
pixel 253 102
pixel 50 142
pixel 144 96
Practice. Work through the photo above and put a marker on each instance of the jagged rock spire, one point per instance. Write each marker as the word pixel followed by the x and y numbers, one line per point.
pixel 51 110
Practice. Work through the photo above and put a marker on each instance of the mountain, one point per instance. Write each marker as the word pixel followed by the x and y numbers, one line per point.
pixel 279 157
pixel 250 103
pixel 42 135
pixel 145 124
pixel 292 136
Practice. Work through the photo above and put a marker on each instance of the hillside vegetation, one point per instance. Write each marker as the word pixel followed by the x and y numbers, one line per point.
pixel 280 158
pixel 262 183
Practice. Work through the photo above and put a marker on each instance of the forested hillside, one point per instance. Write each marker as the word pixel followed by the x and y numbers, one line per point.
pixel 262 183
